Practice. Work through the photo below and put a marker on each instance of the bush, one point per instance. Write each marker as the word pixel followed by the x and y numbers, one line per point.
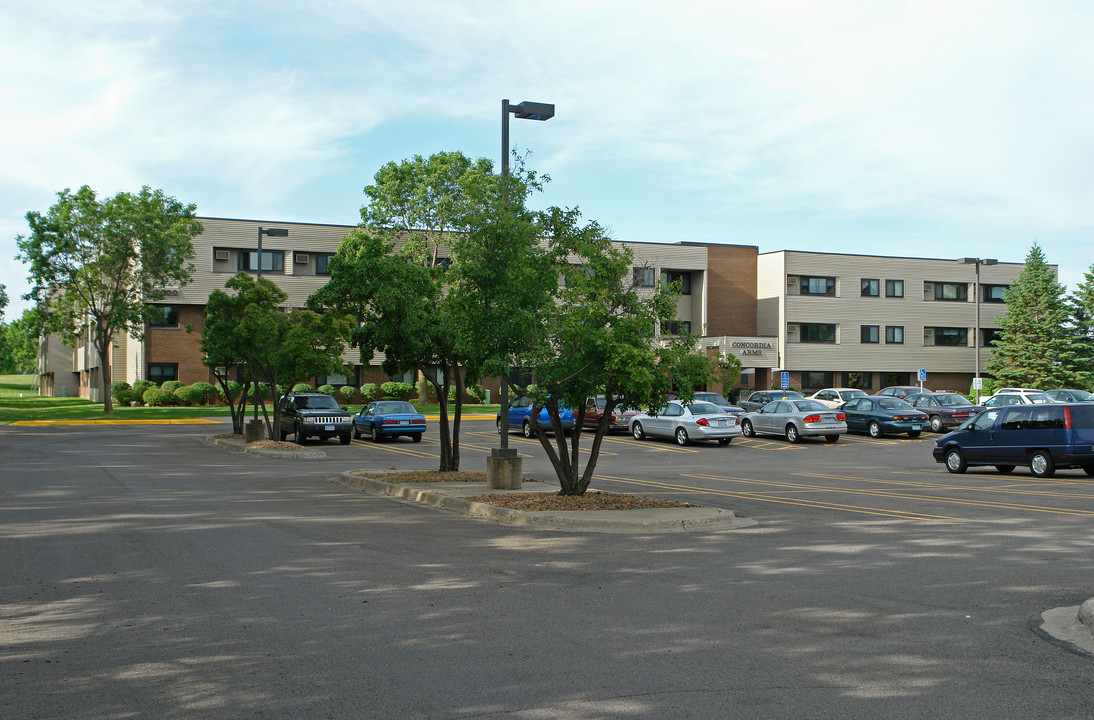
pixel 302 387
pixel 477 393
pixel 208 392
pixel 326 389
pixel 189 395
pixel 397 390
pixel 122 393
pixel 171 385
pixel 263 391
pixel 369 392
pixel 233 387
pixel 157 397
pixel 141 386
pixel 347 392
pixel 735 394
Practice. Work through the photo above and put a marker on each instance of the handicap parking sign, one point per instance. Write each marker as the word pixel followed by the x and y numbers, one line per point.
pixel 784 383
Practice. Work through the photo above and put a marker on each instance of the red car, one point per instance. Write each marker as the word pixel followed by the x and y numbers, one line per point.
pixel 594 410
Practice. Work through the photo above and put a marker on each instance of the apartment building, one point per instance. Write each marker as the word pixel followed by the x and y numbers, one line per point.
pixel 872 321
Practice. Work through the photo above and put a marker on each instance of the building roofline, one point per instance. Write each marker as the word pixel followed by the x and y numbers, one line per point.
pixel 277 222
pixel 888 257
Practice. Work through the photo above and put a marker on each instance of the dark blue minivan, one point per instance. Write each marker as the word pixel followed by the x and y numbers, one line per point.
pixel 1044 437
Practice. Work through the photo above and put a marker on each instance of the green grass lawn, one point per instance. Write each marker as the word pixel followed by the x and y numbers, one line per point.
pixel 19 402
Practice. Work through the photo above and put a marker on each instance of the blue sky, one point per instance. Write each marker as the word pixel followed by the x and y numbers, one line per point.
pixel 935 129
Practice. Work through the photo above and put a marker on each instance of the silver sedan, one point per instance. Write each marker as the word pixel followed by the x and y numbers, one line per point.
pixel 687 422
pixel 795 419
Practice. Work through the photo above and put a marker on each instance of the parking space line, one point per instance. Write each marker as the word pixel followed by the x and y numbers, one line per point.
pixel 952 486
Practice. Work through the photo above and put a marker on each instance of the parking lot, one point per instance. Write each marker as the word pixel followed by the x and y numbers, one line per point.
pixel 770 478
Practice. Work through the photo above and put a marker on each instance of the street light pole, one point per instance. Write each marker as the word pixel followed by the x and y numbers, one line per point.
pixel 272 232
pixel 524 111
pixel 976 300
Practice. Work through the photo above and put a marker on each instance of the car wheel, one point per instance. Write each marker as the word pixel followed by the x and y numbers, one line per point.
pixel 376 435
pixel 831 438
pixel 1041 464
pixel 282 434
pixel 936 424
pixel 298 431
pixel 638 432
pixel 1089 470
pixel 499 426
pixel 792 434
pixel 874 429
pixel 724 441
pixel 746 429
pixel 526 428
pixel 955 461
pixel 914 433
pixel 416 437
pixel 1004 469
pixel 356 433
pixel 682 436
pixel 344 439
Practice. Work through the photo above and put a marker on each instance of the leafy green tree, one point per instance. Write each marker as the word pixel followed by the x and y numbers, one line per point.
pixel 1034 346
pixel 599 335
pixel 423 310
pixel 95 267
pixel 3 299
pixel 280 348
pixel 19 343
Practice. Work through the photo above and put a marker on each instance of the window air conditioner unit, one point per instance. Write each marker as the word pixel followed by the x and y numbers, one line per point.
pixel 301 258
pixel 791 280
pixel 791 328
pixel 222 254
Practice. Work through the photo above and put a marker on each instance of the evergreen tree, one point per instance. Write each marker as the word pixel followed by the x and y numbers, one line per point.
pixel 1081 326
pixel 1034 347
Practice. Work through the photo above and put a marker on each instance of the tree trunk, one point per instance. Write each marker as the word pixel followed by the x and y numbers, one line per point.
pixel 103 338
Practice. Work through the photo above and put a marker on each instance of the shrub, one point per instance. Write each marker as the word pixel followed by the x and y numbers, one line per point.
pixel 122 393
pixel 171 385
pixel 369 392
pixel 157 397
pixel 397 390
pixel 141 386
pixel 735 393
pixel 263 391
pixel 302 387
pixel 208 392
pixel 233 386
pixel 326 389
pixel 189 395
pixel 347 392
pixel 119 386
pixel 477 393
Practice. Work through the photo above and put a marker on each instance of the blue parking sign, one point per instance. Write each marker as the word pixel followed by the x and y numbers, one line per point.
pixel 784 380
pixel 922 375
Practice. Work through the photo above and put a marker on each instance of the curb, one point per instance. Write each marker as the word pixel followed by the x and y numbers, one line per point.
pixel 615 521
pixel 1072 628
pixel 239 447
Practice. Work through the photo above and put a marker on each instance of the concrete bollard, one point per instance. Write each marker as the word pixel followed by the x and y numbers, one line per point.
pixel 503 471
pixel 254 431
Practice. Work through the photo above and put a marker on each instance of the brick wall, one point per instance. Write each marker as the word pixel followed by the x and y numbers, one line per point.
pixel 175 345
pixel 731 290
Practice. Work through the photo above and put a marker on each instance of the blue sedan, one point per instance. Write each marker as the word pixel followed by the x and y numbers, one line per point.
pixel 389 418
pixel 519 417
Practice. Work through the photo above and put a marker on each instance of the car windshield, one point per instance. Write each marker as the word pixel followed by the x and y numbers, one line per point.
pixel 786 395
pixel 704 408
pixel 711 398
pixel 810 406
pixel 395 407
pixel 1081 395
pixel 951 401
pixel 891 403
pixel 1039 399
pixel 848 394
pixel 317 402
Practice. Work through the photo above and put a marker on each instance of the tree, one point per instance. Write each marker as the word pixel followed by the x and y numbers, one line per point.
pixel 599 335
pixel 1034 347
pixel 279 348
pixel 1081 327
pixel 419 308
pixel 3 299
pixel 95 266
pixel 19 343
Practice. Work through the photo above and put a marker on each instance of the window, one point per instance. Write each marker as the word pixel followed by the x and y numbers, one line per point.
pixel 160 373
pixel 335 380
pixel 272 260
pixel 818 285
pixel 993 293
pixel 818 333
pixel 166 316
pixel 869 334
pixel 989 336
pixel 322 263
pixel 951 336
pixel 644 276
pixel 860 380
pixel 951 291
pixel 870 288
pixel 895 378
pixel 894 288
pixel 677 327
pixel 894 334
pixel 816 380
pixel 684 278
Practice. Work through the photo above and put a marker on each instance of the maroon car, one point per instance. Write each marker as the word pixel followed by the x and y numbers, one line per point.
pixel 946 410
pixel 901 391
pixel 594 410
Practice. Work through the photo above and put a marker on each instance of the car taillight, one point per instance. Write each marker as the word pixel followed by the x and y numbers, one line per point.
pixel 1067 418
pixel 811 418
pixel 736 420
pixel 389 422
pixel 703 422
pixel 841 417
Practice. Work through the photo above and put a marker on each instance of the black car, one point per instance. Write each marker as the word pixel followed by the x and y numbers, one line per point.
pixel 314 415
pixel 945 410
